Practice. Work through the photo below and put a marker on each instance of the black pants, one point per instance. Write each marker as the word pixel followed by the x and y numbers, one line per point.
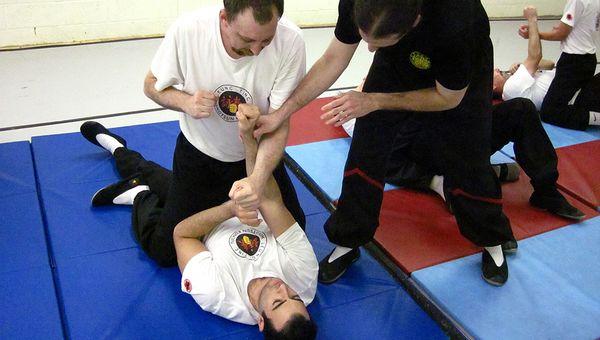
pixel 516 121
pixel 573 72
pixel 198 182
pixel 454 143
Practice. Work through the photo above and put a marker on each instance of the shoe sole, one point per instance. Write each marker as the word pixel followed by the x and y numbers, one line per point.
pixel 342 273
pixel 493 283
pixel 569 217
pixel 510 251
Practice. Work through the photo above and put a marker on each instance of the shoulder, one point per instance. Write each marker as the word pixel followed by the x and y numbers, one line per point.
pixel 196 21
pixel 288 33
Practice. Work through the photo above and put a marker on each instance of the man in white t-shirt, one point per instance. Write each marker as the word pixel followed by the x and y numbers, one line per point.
pixel 577 31
pixel 262 274
pixel 210 62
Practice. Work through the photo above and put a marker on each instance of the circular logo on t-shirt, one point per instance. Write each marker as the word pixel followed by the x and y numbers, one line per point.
pixel 229 98
pixel 420 61
pixel 248 243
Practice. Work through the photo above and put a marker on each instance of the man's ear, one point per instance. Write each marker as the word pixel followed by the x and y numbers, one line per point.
pixel 261 323
pixel 223 16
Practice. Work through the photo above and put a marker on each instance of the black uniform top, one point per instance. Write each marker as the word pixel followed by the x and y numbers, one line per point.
pixel 450 45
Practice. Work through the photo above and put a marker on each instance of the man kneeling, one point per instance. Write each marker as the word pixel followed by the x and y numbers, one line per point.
pixel 247 270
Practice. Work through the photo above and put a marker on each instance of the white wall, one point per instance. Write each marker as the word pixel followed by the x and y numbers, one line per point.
pixel 46 22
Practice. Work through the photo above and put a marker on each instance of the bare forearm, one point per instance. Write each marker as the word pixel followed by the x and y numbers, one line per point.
pixel 320 77
pixel 420 100
pixel 269 153
pixel 535 46
pixel 202 223
pixel 251 150
pixel 169 98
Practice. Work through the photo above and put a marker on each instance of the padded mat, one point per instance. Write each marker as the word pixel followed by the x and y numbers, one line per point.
pixel 71 170
pixel 112 290
pixel 579 167
pixel 417 231
pixel 552 291
pixel 307 127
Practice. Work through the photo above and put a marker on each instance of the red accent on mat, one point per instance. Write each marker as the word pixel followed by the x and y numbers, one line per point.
pixel 579 167
pixel 460 192
pixel 417 231
pixel 307 127
pixel 362 174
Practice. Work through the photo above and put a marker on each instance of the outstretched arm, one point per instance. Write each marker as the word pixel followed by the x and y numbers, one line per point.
pixel 534 51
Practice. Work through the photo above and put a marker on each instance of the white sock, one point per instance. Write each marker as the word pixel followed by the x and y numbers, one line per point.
pixel 594 118
pixel 128 196
pixel 338 252
pixel 437 185
pixel 496 253
pixel 108 142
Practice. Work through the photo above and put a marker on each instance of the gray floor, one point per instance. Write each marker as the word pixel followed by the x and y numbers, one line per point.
pixel 69 84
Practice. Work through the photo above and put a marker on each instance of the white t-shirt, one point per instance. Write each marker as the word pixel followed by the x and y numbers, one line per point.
pixel 192 57
pixel 218 278
pixel 524 85
pixel 584 17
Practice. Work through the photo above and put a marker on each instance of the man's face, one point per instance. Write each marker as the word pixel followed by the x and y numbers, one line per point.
pixel 246 37
pixel 278 302
pixel 498 81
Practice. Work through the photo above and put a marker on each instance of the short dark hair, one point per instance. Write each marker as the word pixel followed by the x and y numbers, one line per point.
pixel 381 18
pixel 298 327
pixel 262 9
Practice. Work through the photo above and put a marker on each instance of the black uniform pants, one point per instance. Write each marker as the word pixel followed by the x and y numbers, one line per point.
pixel 573 72
pixel 516 121
pixel 198 182
pixel 453 143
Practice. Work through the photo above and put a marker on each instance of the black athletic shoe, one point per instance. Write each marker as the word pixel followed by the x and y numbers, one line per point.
pixel 330 272
pixel 491 273
pixel 510 247
pixel 106 195
pixel 556 204
pixel 507 172
pixel 91 129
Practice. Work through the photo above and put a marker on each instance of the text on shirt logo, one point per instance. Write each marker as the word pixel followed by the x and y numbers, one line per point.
pixel 248 243
pixel 229 99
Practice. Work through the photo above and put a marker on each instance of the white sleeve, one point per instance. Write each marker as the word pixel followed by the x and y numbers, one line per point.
pixel 573 10
pixel 167 64
pixel 518 85
pixel 290 73
pixel 299 263
pixel 200 278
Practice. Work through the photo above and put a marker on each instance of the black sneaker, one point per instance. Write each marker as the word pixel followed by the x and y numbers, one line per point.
pixel 491 273
pixel 556 204
pixel 510 247
pixel 106 195
pixel 507 172
pixel 91 129
pixel 330 272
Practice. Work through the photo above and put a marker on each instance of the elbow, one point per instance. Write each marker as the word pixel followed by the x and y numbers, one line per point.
pixel 149 83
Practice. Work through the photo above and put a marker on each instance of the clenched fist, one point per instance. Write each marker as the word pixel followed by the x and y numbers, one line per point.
pixel 201 104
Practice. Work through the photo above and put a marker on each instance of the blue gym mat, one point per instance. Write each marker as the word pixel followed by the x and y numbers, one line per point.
pixel 324 163
pixel 27 295
pixel 553 291
pixel 111 289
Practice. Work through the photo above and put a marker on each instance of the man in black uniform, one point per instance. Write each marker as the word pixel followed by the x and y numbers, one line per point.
pixel 429 87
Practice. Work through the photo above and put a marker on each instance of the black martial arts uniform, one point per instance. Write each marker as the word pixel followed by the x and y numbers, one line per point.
pixel 450 45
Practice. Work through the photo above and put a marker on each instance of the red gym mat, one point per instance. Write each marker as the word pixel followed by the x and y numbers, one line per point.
pixel 579 167
pixel 307 127
pixel 417 231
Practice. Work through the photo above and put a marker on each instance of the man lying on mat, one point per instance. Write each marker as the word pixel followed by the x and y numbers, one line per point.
pixel 258 272
pixel 242 269
pixel 532 79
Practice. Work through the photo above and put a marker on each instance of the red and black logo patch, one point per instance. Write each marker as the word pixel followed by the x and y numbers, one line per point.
pixel 229 102
pixel 188 285
pixel 569 16
pixel 248 243
pixel 230 98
